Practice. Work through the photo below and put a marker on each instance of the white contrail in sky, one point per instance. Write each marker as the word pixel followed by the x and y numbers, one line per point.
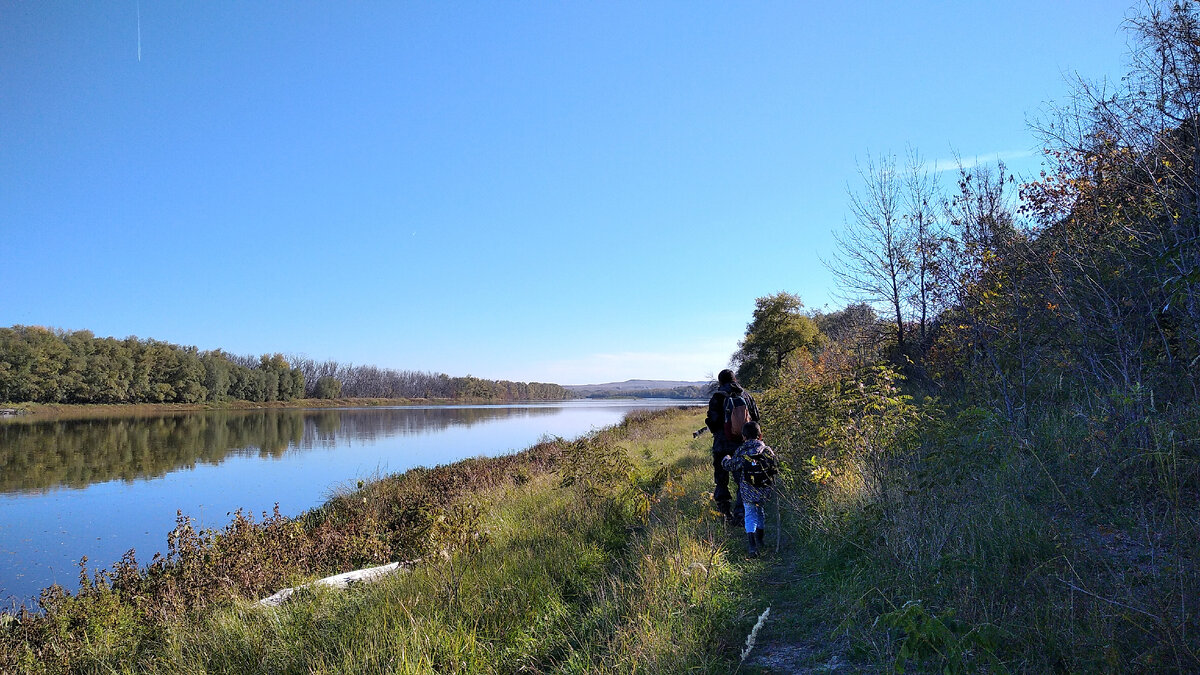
pixel 139 13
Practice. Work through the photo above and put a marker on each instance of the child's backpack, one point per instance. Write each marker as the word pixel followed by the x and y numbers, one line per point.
pixel 737 413
pixel 759 468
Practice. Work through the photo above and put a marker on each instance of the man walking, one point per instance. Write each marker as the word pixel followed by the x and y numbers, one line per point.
pixel 728 393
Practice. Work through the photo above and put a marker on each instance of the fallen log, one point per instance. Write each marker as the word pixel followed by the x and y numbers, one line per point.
pixel 344 580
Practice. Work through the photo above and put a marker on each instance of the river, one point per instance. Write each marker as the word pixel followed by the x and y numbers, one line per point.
pixel 99 487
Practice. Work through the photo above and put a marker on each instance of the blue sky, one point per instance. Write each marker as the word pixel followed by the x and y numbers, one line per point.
pixel 565 192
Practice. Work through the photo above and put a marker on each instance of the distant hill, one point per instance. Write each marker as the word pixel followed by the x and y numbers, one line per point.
pixel 641 389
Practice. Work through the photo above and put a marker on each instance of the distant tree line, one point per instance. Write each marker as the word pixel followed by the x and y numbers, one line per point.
pixel 56 366
pixel 349 380
pixel 692 391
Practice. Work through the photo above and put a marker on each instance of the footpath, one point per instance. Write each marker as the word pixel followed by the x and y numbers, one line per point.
pixel 780 628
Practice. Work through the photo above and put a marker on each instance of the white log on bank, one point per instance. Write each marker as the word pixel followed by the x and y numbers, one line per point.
pixel 368 575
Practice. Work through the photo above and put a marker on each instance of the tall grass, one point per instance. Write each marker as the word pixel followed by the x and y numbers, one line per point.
pixel 978 545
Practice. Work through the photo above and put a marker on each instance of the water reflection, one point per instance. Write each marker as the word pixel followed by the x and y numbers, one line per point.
pixel 41 455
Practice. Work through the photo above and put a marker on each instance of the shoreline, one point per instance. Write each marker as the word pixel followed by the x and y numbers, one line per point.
pixel 46 411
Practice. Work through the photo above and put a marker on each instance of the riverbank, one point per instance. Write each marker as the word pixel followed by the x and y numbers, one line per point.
pixel 599 555
pixel 42 411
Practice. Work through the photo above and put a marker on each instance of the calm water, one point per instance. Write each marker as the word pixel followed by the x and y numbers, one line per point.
pixel 102 486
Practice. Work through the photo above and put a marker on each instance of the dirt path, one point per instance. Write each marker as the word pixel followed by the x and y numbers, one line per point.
pixel 795 638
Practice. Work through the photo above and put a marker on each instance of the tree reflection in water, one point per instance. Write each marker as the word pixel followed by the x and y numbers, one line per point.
pixel 39 455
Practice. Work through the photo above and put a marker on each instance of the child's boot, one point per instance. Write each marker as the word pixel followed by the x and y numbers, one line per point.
pixel 759 534
pixel 752 540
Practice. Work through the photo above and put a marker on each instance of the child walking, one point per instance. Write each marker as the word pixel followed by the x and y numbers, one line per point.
pixel 754 464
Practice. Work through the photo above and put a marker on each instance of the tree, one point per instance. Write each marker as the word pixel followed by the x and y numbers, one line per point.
pixel 986 281
pixel 1121 209
pixel 777 330
pixel 874 251
pixel 217 375
pixel 921 199
pixel 327 387
pixel 855 327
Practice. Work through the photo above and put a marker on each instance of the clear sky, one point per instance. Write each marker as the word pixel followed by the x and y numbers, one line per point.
pixel 569 192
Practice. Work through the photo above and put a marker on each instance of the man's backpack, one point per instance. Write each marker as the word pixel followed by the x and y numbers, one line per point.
pixel 737 413
pixel 759 469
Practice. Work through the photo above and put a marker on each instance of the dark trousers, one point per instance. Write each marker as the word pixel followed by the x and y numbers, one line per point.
pixel 721 494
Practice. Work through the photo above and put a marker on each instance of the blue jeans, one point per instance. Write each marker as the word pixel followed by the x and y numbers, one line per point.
pixel 755 517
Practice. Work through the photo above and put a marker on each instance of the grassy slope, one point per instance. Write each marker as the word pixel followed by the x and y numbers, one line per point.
pixel 562 583
pixel 988 551
pixel 573 579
